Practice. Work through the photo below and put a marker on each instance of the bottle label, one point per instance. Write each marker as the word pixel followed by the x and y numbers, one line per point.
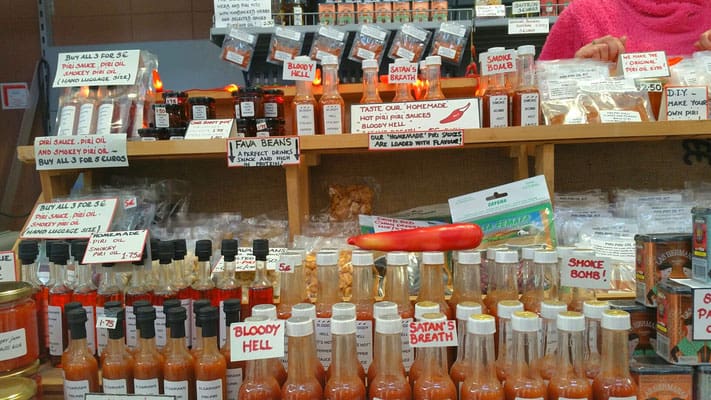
pixel 365 54
pixel 271 110
pixel 209 389
pixel 55 329
pixel 66 121
pixel 298 16
pixel 446 52
pixel 146 386
pixel 364 342
pixel 104 119
pixel 187 305
pixel 159 324
pixel 323 340
pixel 499 111
pixel 13 344
pixel 102 334
pixel 178 389
pixel 234 57
pixel 223 325
pixel 90 329
pixel 305 121
pixel 238 114
pixel 529 109
pixel 86 114
pixel 285 359
pixel 75 390
pixel 405 53
pixel 247 109
pixel 332 122
pixel 131 339
pixel 408 352
pixel 199 112
pixel 114 386
pixel 162 118
pixel 234 382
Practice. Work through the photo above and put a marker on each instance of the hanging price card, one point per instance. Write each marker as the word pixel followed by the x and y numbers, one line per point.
pixel 97 68
pixel 106 322
pixel 7 266
pixel 433 334
pixel 86 151
pixel 115 247
pixel 498 10
pixel 525 7
pixel 591 273
pixel 526 26
pixel 211 129
pixel 70 219
pixel 256 340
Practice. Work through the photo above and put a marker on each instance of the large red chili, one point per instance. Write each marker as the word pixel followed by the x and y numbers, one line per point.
pixel 459 236
pixel 455 115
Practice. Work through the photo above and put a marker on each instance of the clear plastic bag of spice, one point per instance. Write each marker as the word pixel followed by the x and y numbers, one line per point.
pixel 614 100
pixel 409 43
pixel 285 44
pixel 238 48
pixel 328 41
pixel 369 44
pixel 450 41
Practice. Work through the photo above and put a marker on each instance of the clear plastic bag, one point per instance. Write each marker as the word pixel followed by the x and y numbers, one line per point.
pixel 369 44
pixel 450 41
pixel 409 43
pixel 284 45
pixel 238 48
pixel 328 41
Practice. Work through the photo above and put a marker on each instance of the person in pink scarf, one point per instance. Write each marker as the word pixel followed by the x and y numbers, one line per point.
pixel 603 29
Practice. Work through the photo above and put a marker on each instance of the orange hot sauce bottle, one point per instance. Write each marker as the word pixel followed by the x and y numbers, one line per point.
pixel 481 382
pixel 504 358
pixel 592 310
pixel 389 381
pixel 462 365
pixel 148 362
pixel 548 363
pixel 179 365
pixel 261 290
pixel 431 285
pixel 344 382
pixel 28 251
pixel 235 369
pixel 116 360
pixel 163 290
pixel 363 298
pixel 524 382
pixel 197 328
pixel 504 285
pixel 396 290
pixel 304 106
pixel 434 382
pixel 308 310
pixel 275 365
pixel 331 105
pixel 434 86
pixel 543 272
pixel 370 83
pixel 210 364
pixel 526 99
pixel 495 100
pixel 327 296
pixel 421 308
pixel 301 383
pixel 466 281
pixel 614 380
pixel 569 380
pixel 259 383
pixel 79 367
pixel 107 293
pixel 344 309
pixel 381 309
pixel 85 291
pixel 59 296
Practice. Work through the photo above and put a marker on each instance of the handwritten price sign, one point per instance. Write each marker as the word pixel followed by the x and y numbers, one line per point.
pixel 256 340
pixel 106 322
pixel 70 219
pixel 433 334
pixel 115 247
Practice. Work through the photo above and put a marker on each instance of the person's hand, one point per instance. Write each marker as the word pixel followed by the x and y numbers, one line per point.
pixel 704 42
pixel 606 48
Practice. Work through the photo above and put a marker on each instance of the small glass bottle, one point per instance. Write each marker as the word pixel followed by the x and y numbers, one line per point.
pixel 580 295
pixel 569 380
pixel 523 382
pixel 536 287
pixel 593 311
pixel 381 309
pixel 614 381
pixel 131 325
pixel 303 106
pixel 261 290
pixel 481 382
pixel 203 287
pixel 210 364
pixel 116 360
pixel 495 100
pixel 148 361
pixel 197 342
pixel 344 309
pixel 504 286
pixel 403 93
pixel 328 295
pixel 526 99
pixel 434 88
pixel 331 105
pixel 292 288
pixel 181 282
pixel 102 334
pixel 466 281
pixel 68 113
pixel 136 290
pixel 370 83
pixel 421 308
pixel 86 123
pixel 275 365
pixel 259 383
pixel 79 367
pixel 505 336
pixel 59 296
pixel 163 290
pixel 344 382
pixel 235 369
pixel 462 365
pixel 396 290
pixel 431 284
pixel 308 310
pixel 108 114
pixel 363 297
pixel 227 287
pixel 27 252
pixel 179 365
pixel 301 383
pixel 390 381
pixel 548 363
pixel 434 381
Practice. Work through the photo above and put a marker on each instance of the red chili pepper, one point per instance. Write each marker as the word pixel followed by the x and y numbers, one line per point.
pixel 455 115
pixel 459 236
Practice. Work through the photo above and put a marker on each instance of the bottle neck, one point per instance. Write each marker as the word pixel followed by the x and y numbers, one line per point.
pixel 292 289
pixel 176 345
pixel 330 80
pixel 593 336
pixel 614 360
pixel 227 280
pixel 260 271
pixel 402 93
pixel 481 356
pixel 526 72
pixel 178 280
pixel 497 81
pixel 209 344
pixel 328 284
pixel 299 347
pixel 163 287
pixel 108 281
pixel 389 358
pixel 147 345
pixel 345 357
pixel 304 89
pixel 84 276
pixel 396 285
pixel 525 352
pixel 57 272
pixel 78 347
pixel 551 336
pixel 257 370
pixel 370 86
pixel 362 290
pixel 570 354
pixel 137 280
pixel 466 281
pixel 434 90
pixel 29 275
pixel 434 361
pixel 115 345
pixel 203 278
pixel 505 277
pixel 431 284
pixel 462 348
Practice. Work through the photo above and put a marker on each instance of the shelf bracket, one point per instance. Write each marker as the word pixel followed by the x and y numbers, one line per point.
pixel 297 193
pixel 545 165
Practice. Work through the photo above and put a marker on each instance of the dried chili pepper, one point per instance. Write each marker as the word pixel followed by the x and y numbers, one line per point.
pixel 459 236
pixel 455 115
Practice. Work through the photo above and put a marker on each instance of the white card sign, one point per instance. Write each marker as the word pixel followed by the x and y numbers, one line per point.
pixel 70 219
pixel 498 10
pixel 433 333
pixel 415 140
pixel 702 314
pixel 402 73
pixel 15 95
pixel 498 62
pixel 644 65
pixel 80 152
pixel 591 273
pixel 115 247
pixel 263 152
pixel 211 129
pixel 416 116
pixel 256 340
pixel 97 68
pixel 527 26
pixel 243 13
pixel 685 103
pixel 299 70
pixel 7 266
pixel 525 7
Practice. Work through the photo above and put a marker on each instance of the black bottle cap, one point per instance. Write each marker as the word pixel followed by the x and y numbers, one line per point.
pixel 143 258
pixel 155 244
pixel 27 251
pixel 203 250
pixel 232 309
pixel 108 265
pixel 140 303
pixel 145 322
pixel 72 305
pixel 78 250
pixel 208 317
pixel 165 252
pixel 76 319
pixel 197 305
pixel 59 253
pixel 170 303
pixel 120 314
pixel 260 249
pixel 112 304
pixel 175 319
pixel 48 247
pixel 229 249
pixel 181 249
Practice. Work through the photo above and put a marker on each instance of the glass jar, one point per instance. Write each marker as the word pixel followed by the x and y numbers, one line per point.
pixel 273 103
pixel 169 115
pixel 177 133
pixel 201 108
pixel 31 371
pixel 236 113
pixel 246 127
pixel 267 127
pixel 178 98
pixel 18 388
pixel 250 103
pixel 19 340
pixel 148 134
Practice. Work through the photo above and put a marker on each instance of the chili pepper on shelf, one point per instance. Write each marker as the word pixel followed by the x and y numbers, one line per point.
pixel 455 115
pixel 459 236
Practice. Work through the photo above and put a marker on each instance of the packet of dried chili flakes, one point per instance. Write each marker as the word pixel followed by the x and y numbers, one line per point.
pixel 238 48
pixel 369 44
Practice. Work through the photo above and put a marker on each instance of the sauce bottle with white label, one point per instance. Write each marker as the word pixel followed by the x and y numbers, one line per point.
pixel 148 361
pixel 434 86
pixel 235 369
pixel 86 123
pixel 275 365
pixel 402 90
pixel 116 360
pixel 303 106
pixel 526 99
pixel 370 83
pixel 331 105
pixel 495 100
pixel 210 364
pixel 80 369
pixel 593 310
pixel 302 382
pixel 59 296
pixel 178 368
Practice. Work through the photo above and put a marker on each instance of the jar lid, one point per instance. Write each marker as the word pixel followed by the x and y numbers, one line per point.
pixel 195 100
pixel 545 257
pixel 370 64
pixel 13 291
pixel 274 91
pixel 526 49
pixel 525 321
pixel 343 325
pixel 256 318
pixel 383 308
pixel 481 324
pixel 327 257
pixel 299 326
pixel 398 258
pixel 594 308
pixel 267 310
pixel 343 308
pixel 506 308
pixel 18 388
pixel 306 310
pixel 469 257
pixel 361 258
pixel 424 307
pixel 551 308
pixel 571 321
pixel 388 324
pixel 432 257
pixel 434 317
pixel 434 60
pixel 506 257
pixel 467 308
pixel 26 371
pixel 616 320
pixel 528 252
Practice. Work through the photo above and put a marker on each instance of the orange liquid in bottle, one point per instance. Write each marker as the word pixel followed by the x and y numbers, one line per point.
pixel 148 362
pixel 433 382
pixel 526 109
pixel 481 383
pixel 390 381
pixel 80 369
pixel 614 380
pixel 116 360
pixel 301 383
pixel 495 107
pixel 523 382
pixel 179 364
pixel 210 364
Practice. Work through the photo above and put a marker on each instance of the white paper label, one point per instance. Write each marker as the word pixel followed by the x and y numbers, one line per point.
pixel 686 103
pixel 162 120
pixel 90 326
pixel 96 68
pixel 611 116
pixel 66 120
pixel 562 89
pixel 332 122
pixel 75 390
pixel 257 340
pixel 7 266
pixel 415 32
pixel 414 140
pixel 211 129
pixel 13 344
pixel 433 334
pixel 499 62
pixel 365 54
pixel 115 247
pixel 364 342
pixel 405 53
pixel 243 14
pixel 373 32
pixel 159 324
pixel 593 273
pixel 104 119
pixel 446 52
pixel 131 338
pixel 299 70
pixel 261 152
pixel 525 7
pixel 282 55
pixel 243 36
pixel 60 152
pixel 702 313
pixel 234 381
pixel 498 10
pixel 55 329
pixel 453 28
pixel 199 112
pixel 499 111
pixel 271 110
pixel 235 57
pixel 102 333
pixel 305 121
pixel 178 389
pixel 417 116
pixel 321 54
pixel 402 73
pixel 644 65
pixel 209 389
pixel 114 386
pixel 146 386
pixel 408 352
pixel 323 340
pixel 288 34
pixel 530 109
pixel 334 34
pixel 222 325
pixel 86 115
pixel 247 108
pixel 525 26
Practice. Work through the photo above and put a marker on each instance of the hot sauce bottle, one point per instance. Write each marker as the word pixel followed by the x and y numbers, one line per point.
pixel 116 360
pixel 261 290
pixel 227 287
pixel 344 309
pixel 259 383
pixel 380 309
pixel 59 295
pixel 504 285
pixel 434 382
pixel 505 336
pixel 148 361
pixel 548 363
pixel 73 305
pixel 389 381
pixel 481 382
pixel 27 252
pixel 327 296
pixel 102 334
pixel 580 295
pixel 203 287
pixel 614 381
pixel 466 281
pixel 235 369
pixel 370 83
pixel 462 365
pixel 431 284
pixel 434 87
pixel 396 290
pixel 80 371
pixel 292 288
pixel 344 382
pixel 363 297
pixel 308 310
pixel 197 344
pixel 569 380
pixel 331 105
pixel 303 106
pixel 495 101
pixel 163 290
pixel 402 90
pixel 131 324
pixel 301 383
pixel 526 99
pixel 524 382
pixel 210 364
pixel 593 310
pixel 275 365
pixel 179 365
pixel 421 308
